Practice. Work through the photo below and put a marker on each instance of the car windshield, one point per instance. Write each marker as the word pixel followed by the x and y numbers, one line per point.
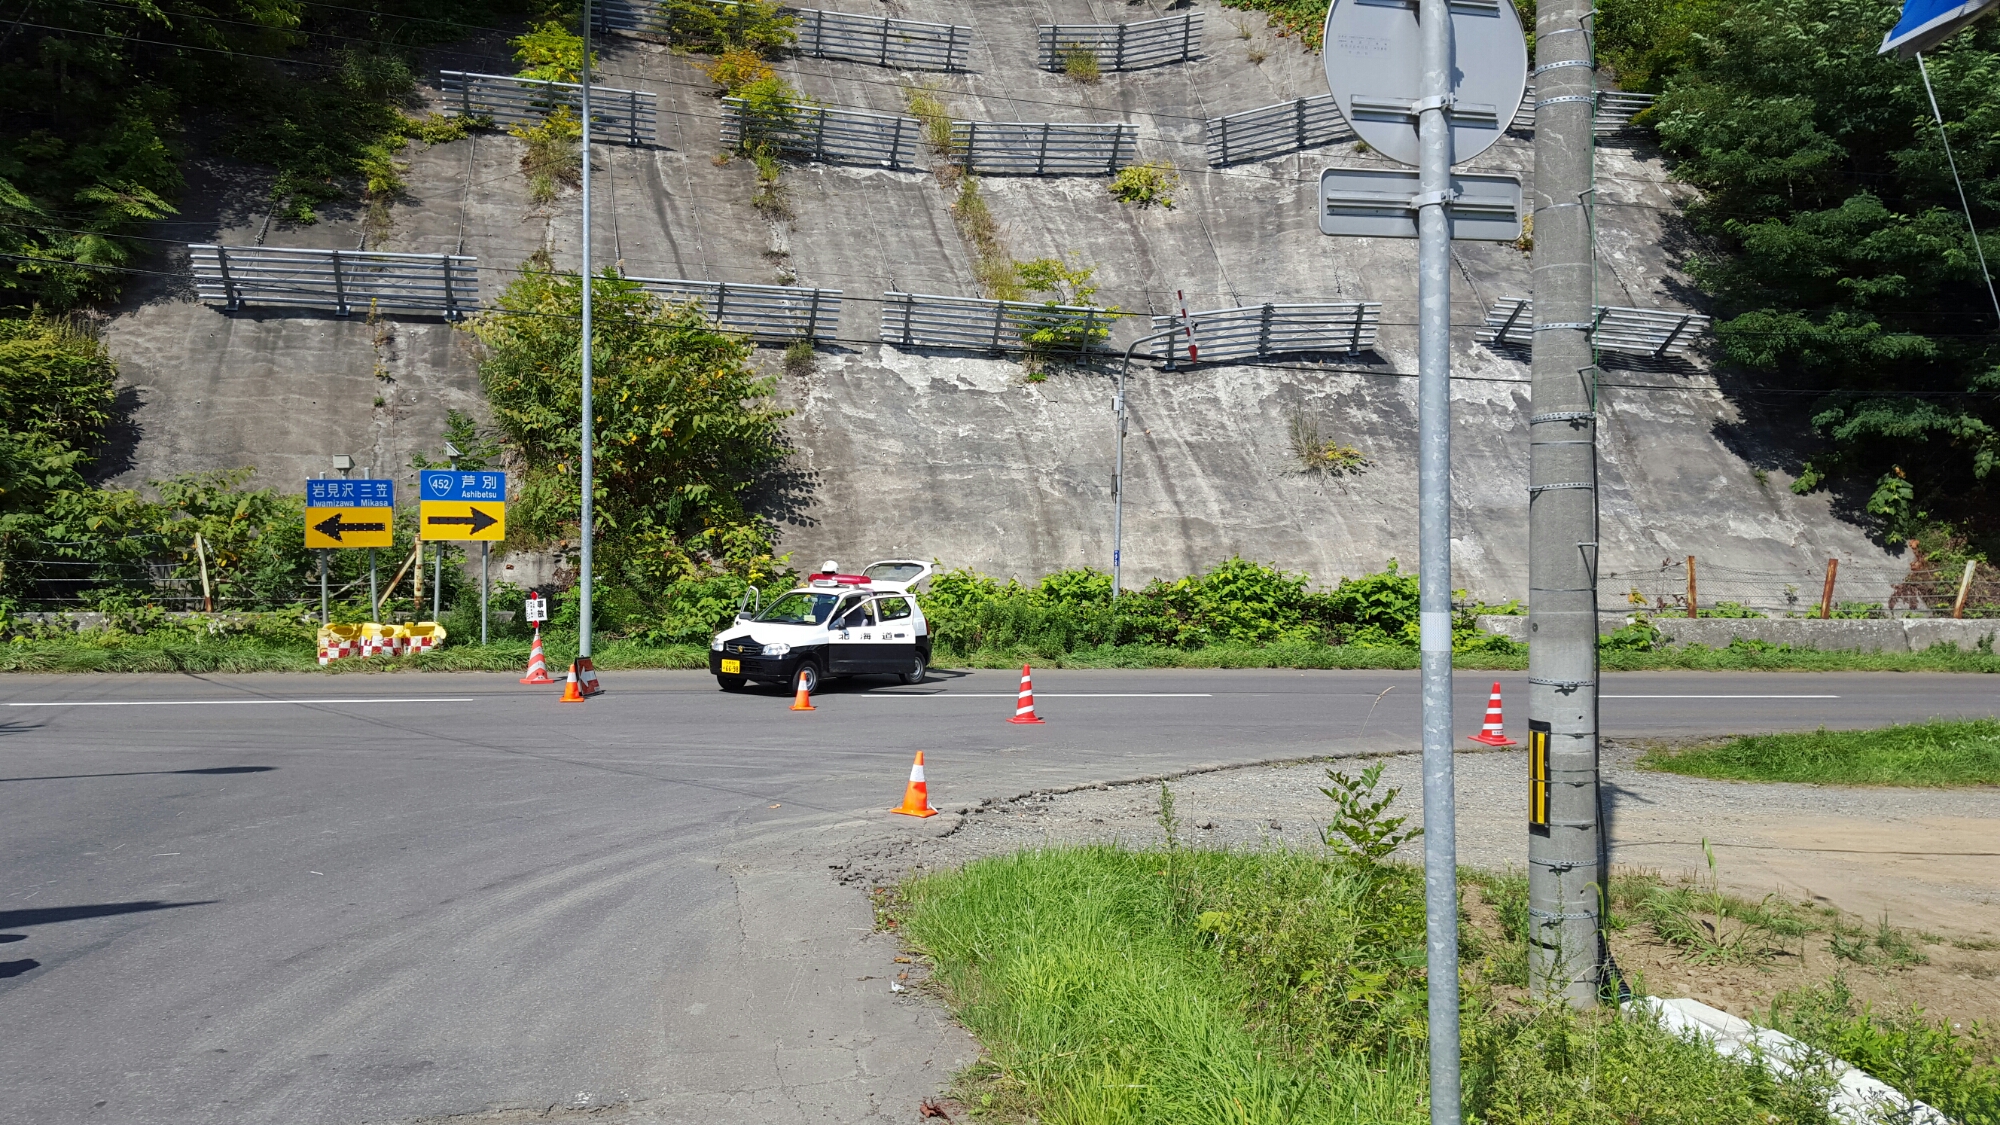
pixel 800 607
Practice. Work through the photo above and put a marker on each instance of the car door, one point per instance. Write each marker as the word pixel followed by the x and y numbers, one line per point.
pixel 850 634
pixel 896 636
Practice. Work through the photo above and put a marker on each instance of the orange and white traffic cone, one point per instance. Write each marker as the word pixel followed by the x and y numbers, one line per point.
pixel 803 701
pixel 538 665
pixel 1494 732
pixel 572 690
pixel 917 794
pixel 1024 704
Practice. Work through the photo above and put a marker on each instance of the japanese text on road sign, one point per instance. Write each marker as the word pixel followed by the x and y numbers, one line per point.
pixel 454 504
pixel 538 609
pixel 458 484
pixel 350 494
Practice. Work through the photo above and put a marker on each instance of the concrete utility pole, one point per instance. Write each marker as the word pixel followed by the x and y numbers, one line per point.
pixel 1565 844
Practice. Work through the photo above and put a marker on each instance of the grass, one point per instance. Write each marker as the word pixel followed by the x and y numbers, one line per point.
pixel 1114 985
pixel 1940 752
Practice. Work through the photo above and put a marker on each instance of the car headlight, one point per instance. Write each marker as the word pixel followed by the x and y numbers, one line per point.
pixel 715 644
pixel 778 649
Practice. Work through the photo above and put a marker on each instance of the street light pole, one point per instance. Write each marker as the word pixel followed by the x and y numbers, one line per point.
pixel 588 425
pixel 1118 472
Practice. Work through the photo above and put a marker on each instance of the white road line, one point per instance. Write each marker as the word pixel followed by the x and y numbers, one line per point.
pixel 1718 697
pixel 1040 695
pixel 235 702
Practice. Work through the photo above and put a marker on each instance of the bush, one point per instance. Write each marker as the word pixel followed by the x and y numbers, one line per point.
pixel 763 26
pixel 1146 185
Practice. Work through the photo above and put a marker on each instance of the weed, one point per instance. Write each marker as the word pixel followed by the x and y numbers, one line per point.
pixel 1706 925
pixel 736 68
pixel 1147 185
pixel 1363 147
pixel 554 156
pixel 763 26
pixel 1316 453
pixel 437 129
pixel 770 196
pixel 1887 947
pixel 799 357
pixel 380 401
pixel 722 159
pixel 925 104
pixel 1526 243
pixel 1256 55
pixel 1975 945
pixel 1170 824
pixel 1242 32
pixel 1079 64
pixel 1361 831
pixel 1926 1059
pixel 1763 477
pixel 990 264
pixel 1067 323
pixel 1942 752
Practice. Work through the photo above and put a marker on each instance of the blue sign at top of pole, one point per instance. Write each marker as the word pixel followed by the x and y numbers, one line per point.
pixel 1926 23
pixel 463 484
pixel 1374 64
pixel 350 493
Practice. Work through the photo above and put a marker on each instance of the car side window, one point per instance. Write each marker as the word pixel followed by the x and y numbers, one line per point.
pixel 894 609
pixel 846 610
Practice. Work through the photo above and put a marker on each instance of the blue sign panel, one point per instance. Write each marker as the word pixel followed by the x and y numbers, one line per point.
pixel 1926 23
pixel 459 484
pixel 350 494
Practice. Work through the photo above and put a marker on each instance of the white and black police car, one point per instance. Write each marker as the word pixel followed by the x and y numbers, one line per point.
pixel 865 624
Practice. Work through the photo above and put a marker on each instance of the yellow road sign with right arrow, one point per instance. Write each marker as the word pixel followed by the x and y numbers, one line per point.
pixel 462 519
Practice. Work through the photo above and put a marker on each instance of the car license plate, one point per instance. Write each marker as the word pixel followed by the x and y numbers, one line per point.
pixel 733 667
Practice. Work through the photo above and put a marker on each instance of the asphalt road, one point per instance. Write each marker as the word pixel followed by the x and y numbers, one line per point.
pixel 392 898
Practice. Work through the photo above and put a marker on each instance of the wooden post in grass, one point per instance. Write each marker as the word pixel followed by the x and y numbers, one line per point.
pixel 1964 588
pixel 1826 595
pixel 1691 602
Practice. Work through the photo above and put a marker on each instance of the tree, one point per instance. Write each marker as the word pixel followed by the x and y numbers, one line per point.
pixel 684 431
pixel 1841 269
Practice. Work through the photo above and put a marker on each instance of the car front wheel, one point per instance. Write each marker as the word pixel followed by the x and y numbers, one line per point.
pixel 807 677
pixel 730 683
pixel 917 668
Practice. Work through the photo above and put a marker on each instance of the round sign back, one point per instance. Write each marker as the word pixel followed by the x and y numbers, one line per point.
pixel 1374 59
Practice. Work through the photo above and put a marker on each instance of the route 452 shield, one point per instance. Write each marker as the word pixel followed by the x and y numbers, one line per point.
pixel 462 504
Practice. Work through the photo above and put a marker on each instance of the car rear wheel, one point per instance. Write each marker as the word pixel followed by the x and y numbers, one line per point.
pixel 730 683
pixel 917 668
pixel 806 677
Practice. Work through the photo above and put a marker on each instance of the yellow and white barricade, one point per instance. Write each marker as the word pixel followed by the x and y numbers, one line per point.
pixel 372 638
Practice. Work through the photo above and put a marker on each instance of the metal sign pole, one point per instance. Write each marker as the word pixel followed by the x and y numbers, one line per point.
pixel 1434 549
pixel 485 584
pixel 374 598
pixel 322 587
pixel 587 428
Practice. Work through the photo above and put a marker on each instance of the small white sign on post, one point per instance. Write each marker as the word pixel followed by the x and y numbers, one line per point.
pixel 538 608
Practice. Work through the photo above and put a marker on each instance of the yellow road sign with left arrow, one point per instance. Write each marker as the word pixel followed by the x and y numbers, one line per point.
pixel 462 519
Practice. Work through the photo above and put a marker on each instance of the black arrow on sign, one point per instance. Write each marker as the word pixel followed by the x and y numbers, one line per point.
pixel 479 520
pixel 332 527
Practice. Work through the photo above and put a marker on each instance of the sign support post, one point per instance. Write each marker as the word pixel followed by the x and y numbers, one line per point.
pixel 485 584
pixel 1434 550
pixel 322 586
pixel 374 597
pixel 587 427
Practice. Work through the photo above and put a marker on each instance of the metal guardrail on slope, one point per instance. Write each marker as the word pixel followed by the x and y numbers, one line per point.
pixel 765 312
pixel 619 115
pixel 1614 328
pixel 833 136
pixel 1261 331
pixel 1273 130
pixel 1613 115
pixel 1042 148
pixel 1121 46
pixel 903 44
pixel 340 280
pixel 921 320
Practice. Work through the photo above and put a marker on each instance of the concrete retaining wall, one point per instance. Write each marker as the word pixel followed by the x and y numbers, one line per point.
pixel 1907 634
pixel 960 457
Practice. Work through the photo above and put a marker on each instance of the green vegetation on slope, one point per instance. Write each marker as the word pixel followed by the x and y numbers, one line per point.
pixel 1941 752
pixel 102 99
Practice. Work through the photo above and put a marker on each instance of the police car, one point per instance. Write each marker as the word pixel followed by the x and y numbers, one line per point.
pixel 834 625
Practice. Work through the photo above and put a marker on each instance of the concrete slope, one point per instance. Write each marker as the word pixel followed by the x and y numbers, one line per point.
pixel 960 456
